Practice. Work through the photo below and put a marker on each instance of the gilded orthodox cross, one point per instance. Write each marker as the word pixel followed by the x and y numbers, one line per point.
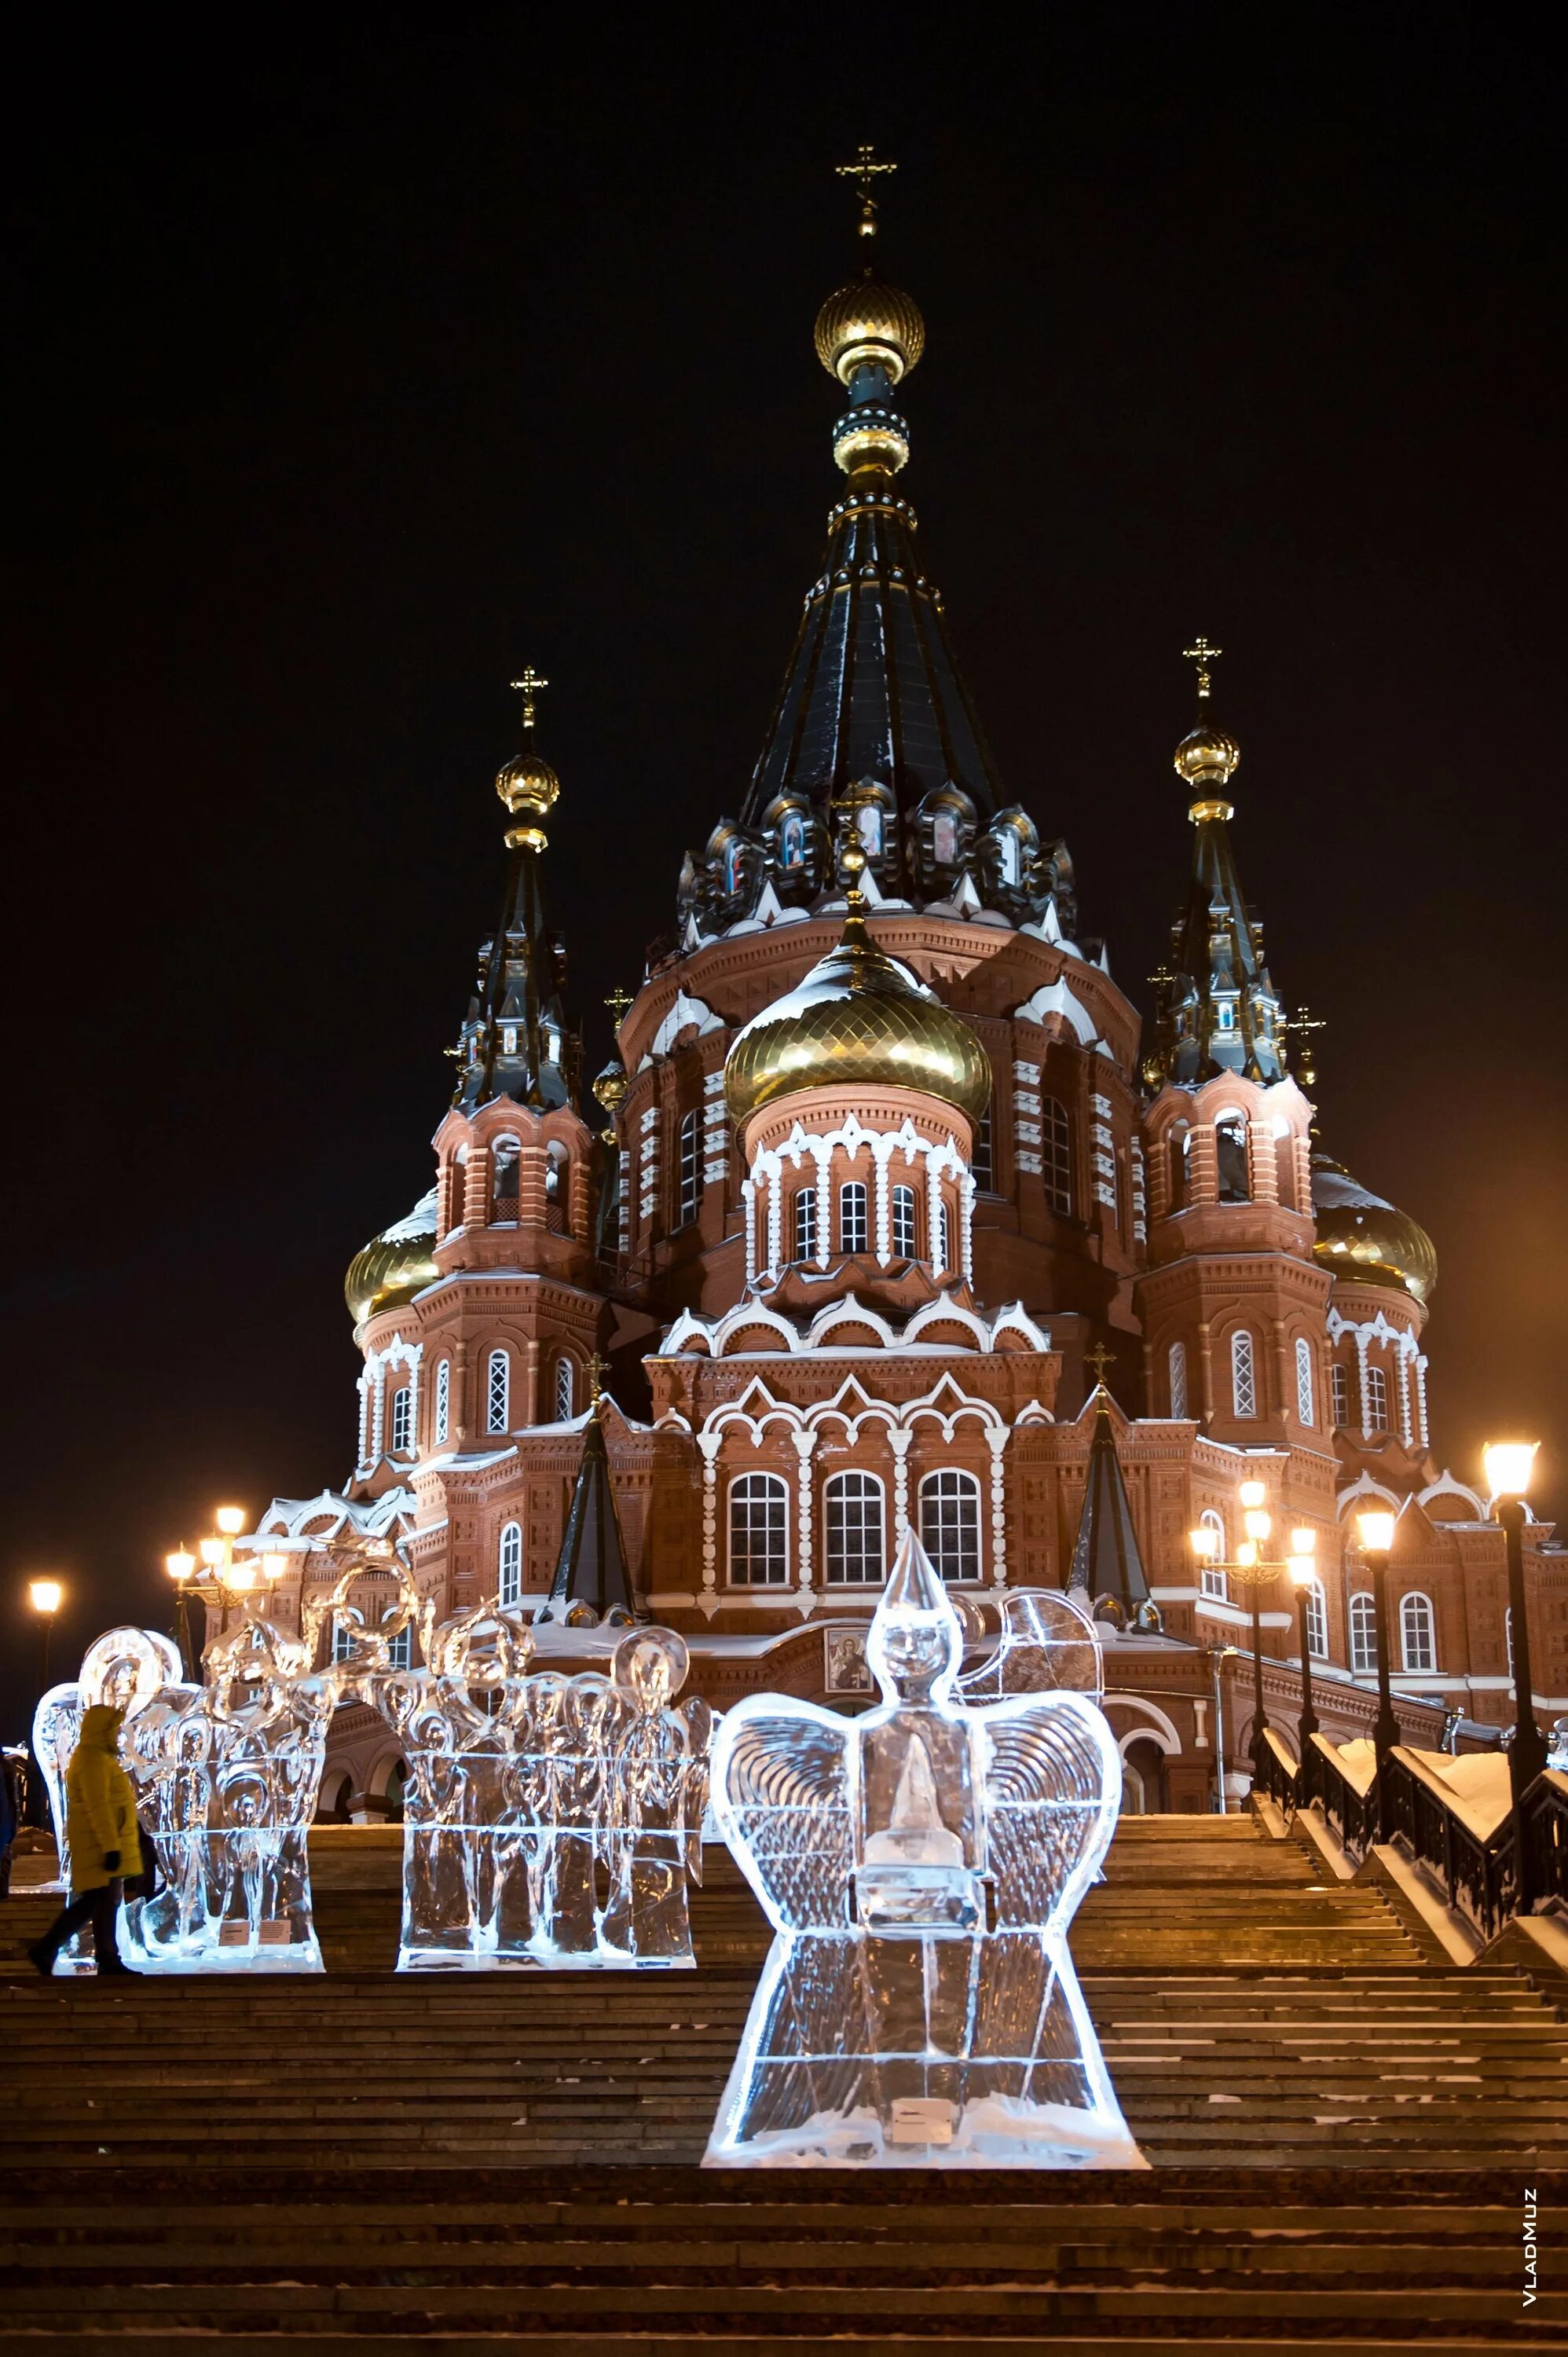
pixel 1201 653
pixel 863 171
pixel 617 1002
pixel 528 687
pixel 597 1370
pixel 1100 1358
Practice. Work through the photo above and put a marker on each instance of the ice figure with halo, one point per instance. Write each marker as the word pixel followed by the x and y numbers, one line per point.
pixel 920 1865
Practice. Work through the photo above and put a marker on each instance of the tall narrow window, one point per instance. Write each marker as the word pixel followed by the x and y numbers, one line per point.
pixel 1363 1633
pixel 400 1650
pixel 1339 1392
pixel 1306 1404
pixel 903 1223
pixel 944 838
pixel 758 1531
pixel 1243 1376
pixel 1212 1581
pixel 402 1418
pixel 504 1191
pixel 1417 1633
pixel 565 1388
pixel 792 840
pixel 497 1392
pixel 805 1223
pixel 1317 1622
pixel 1055 1155
pixel 342 1638
pixel 980 1162
pixel 852 1216
pixel 691 1169
pixel 442 1423
pixel 950 1522
pixel 1231 1158
pixel 1377 1400
pixel 508 1565
pixel 856 1556
pixel 1175 1360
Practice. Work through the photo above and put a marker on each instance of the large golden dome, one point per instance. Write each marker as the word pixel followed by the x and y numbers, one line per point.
pixel 867 321
pixel 859 1018
pixel 395 1266
pixel 1362 1237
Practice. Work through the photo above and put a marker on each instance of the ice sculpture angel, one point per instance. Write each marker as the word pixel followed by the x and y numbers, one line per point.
pixel 920 1865
pixel 227 1776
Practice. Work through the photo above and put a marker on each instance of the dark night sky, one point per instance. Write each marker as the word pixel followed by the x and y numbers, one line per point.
pixel 360 369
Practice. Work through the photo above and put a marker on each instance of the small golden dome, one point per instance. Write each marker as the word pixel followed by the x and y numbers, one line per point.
pixel 1206 756
pixel 395 1266
pixel 859 1018
pixel 611 1086
pixel 868 321
pixel 1362 1237
pixel 529 787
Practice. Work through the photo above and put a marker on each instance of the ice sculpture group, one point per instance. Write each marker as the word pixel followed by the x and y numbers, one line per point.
pixel 920 1865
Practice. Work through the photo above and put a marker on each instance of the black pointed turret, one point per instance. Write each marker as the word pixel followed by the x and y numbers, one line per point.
pixel 1107 1568
pixel 591 1573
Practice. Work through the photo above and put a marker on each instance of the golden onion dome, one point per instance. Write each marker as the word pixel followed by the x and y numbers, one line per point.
pixel 869 322
pixel 1206 756
pixel 859 1019
pixel 528 786
pixel 395 1266
pixel 1362 1237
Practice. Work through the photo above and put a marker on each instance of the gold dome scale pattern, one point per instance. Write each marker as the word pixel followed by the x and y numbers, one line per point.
pixel 868 321
pixel 860 1019
pixel 395 1266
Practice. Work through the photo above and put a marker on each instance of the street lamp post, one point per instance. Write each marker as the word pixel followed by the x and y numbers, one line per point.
pixel 46 1597
pixel 218 1579
pixel 1301 1571
pixel 1509 1466
pixel 1253 1572
pixel 181 1569
pixel 1377 1529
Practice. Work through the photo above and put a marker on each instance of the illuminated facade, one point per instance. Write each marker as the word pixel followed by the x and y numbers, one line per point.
pixel 886 1168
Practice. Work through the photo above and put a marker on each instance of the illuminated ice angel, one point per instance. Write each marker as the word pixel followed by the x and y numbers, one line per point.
pixel 920 1865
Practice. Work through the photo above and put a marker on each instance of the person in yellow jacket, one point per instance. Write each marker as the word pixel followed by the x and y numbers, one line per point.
pixel 100 1834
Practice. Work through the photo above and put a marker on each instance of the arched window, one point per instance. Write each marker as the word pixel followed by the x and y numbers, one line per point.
pixel 1339 1391
pixel 950 1522
pixel 1418 1632
pixel 1211 1579
pixel 1317 1622
pixel 1306 1403
pixel 856 1555
pixel 1363 1633
pixel 792 840
pixel 402 1418
pixel 944 838
pixel 691 1169
pixel 868 826
pixel 565 1388
pixel 980 1161
pixel 1176 1360
pixel 805 1213
pixel 342 1638
pixel 1243 1376
pixel 1055 1155
pixel 1007 860
pixel 508 1565
pixel 504 1185
pixel 1377 1400
pixel 442 1423
pixel 497 1392
pixel 758 1531
pixel 904 1223
pixel 852 1216
pixel 1231 1158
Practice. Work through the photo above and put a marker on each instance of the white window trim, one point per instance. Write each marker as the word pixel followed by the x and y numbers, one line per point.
pixel 971 1488
pixel 875 1487
pixel 760 1586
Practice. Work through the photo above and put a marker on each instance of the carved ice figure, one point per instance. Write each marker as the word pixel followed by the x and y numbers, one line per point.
pixel 227 1776
pixel 920 1865
pixel 548 1820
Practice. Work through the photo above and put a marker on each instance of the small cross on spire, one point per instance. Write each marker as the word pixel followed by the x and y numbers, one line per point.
pixel 1100 1358
pixel 528 687
pixel 617 1002
pixel 1201 653
pixel 863 171
pixel 1304 1022
pixel 597 1370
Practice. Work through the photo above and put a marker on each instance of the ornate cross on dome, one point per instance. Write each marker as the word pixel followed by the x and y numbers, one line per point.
pixel 597 1369
pixel 864 170
pixel 1201 653
pixel 1304 1022
pixel 617 1002
pixel 1100 1358
pixel 528 687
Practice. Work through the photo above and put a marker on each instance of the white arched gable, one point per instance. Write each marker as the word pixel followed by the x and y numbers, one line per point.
pixel 685 1015
pixel 1058 997
pixel 1159 1727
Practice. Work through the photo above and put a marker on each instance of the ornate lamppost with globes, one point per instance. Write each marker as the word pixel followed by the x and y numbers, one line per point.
pixel 1303 1571
pixel 219 1579
pixel 1252 1572
pixel 1377 1530
pixel 1509 1464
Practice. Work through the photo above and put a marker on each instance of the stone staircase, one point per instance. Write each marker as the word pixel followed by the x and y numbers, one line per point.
pixel 448 2160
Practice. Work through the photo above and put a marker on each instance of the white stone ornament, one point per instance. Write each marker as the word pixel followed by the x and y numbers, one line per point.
pixel 920 1865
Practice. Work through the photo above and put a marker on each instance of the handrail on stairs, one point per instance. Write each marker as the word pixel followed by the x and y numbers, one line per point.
pixel 1407 1804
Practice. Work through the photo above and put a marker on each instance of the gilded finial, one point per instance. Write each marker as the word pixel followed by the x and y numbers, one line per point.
pixel 528 687
pixel 853 858
pixel 1100 1358
pixel 1205 656
pixel 864 170
pixel 618 1001
pixel 597 1369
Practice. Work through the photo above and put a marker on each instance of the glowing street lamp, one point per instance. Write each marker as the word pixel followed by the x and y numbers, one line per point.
pixel 1252 1571
pixel 1509 1464
pixel 1377 1529
pixel 1304 1574
pixel 181 1568
pixel 46 1597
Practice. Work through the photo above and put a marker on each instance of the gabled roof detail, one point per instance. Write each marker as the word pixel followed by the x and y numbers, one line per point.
pixel 1107 1566
pixel 591 1576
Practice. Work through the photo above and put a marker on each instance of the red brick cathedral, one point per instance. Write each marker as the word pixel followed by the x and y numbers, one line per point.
pixel 884 1176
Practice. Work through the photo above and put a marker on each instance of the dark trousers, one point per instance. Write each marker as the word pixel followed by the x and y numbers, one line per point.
pixel 100 1907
